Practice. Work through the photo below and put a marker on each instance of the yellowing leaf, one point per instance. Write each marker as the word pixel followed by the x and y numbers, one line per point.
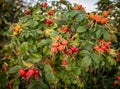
pixel 48 31
pixel 27 64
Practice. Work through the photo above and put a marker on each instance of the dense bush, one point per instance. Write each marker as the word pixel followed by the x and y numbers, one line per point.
pixel 59 46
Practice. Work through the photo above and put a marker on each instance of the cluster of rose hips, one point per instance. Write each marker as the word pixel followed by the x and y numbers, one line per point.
pixel 77 7
pixel 102 47
pixel 59 45
pixel 29 73
pixel 71 49
pixel 49 22
pixel 17 29
pixel 65 29
pixel 100 19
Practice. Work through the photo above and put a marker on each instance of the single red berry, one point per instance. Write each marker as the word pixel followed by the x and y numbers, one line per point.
pixel 22 71
pixel 107 44
pixel 107 49
pixel 96 47
pixel 118 78
pixel 117 58
pixel 64 42
pixel 55 44
pixel 53 71
pixel 72 48
pixel 115 83
pixel 27 75
pixel 64 63
pixel 61 48
pixel 5 68
pixel 103 47
pixel 101 41
pixel 54 50
pixel 36 71
pixel 30 71
pixel 76 49
pixel 97 18
pixel 99 50
pixel 50 12
pixel 79 7
pixel 110 6
pixel 68 52
pixel 27 12
pixel 36 76
pixel 10 86
pixel 44 4
pixel 104 20
pixel 118 53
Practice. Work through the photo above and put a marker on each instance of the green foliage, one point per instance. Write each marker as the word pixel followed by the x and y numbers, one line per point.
pixel 71 62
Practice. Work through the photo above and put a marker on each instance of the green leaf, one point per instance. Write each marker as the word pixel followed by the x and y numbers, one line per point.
pixel 33 23
pixel 44 42
pixel 48 74
pixel 16 84
pixel 24 48
pixel 35 58
pixel 86 61
pixel 47 68
pixel 81 29
pixel 14 69
pixel 111 61
pixel 37 84
pixel 99 33
pixel 68 67
pixel 84 53
pixel 95 58
pixel 106 35
pixel 73 13
pixel 46 50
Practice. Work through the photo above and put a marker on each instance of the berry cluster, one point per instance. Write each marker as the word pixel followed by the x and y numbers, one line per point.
pixel 49 22
pixel 29 73
pixel 100 19
pixel 65 29
pixel 71 49
pixel 17 29
pixel 59 45
pixel 77 7
pixel 102 47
